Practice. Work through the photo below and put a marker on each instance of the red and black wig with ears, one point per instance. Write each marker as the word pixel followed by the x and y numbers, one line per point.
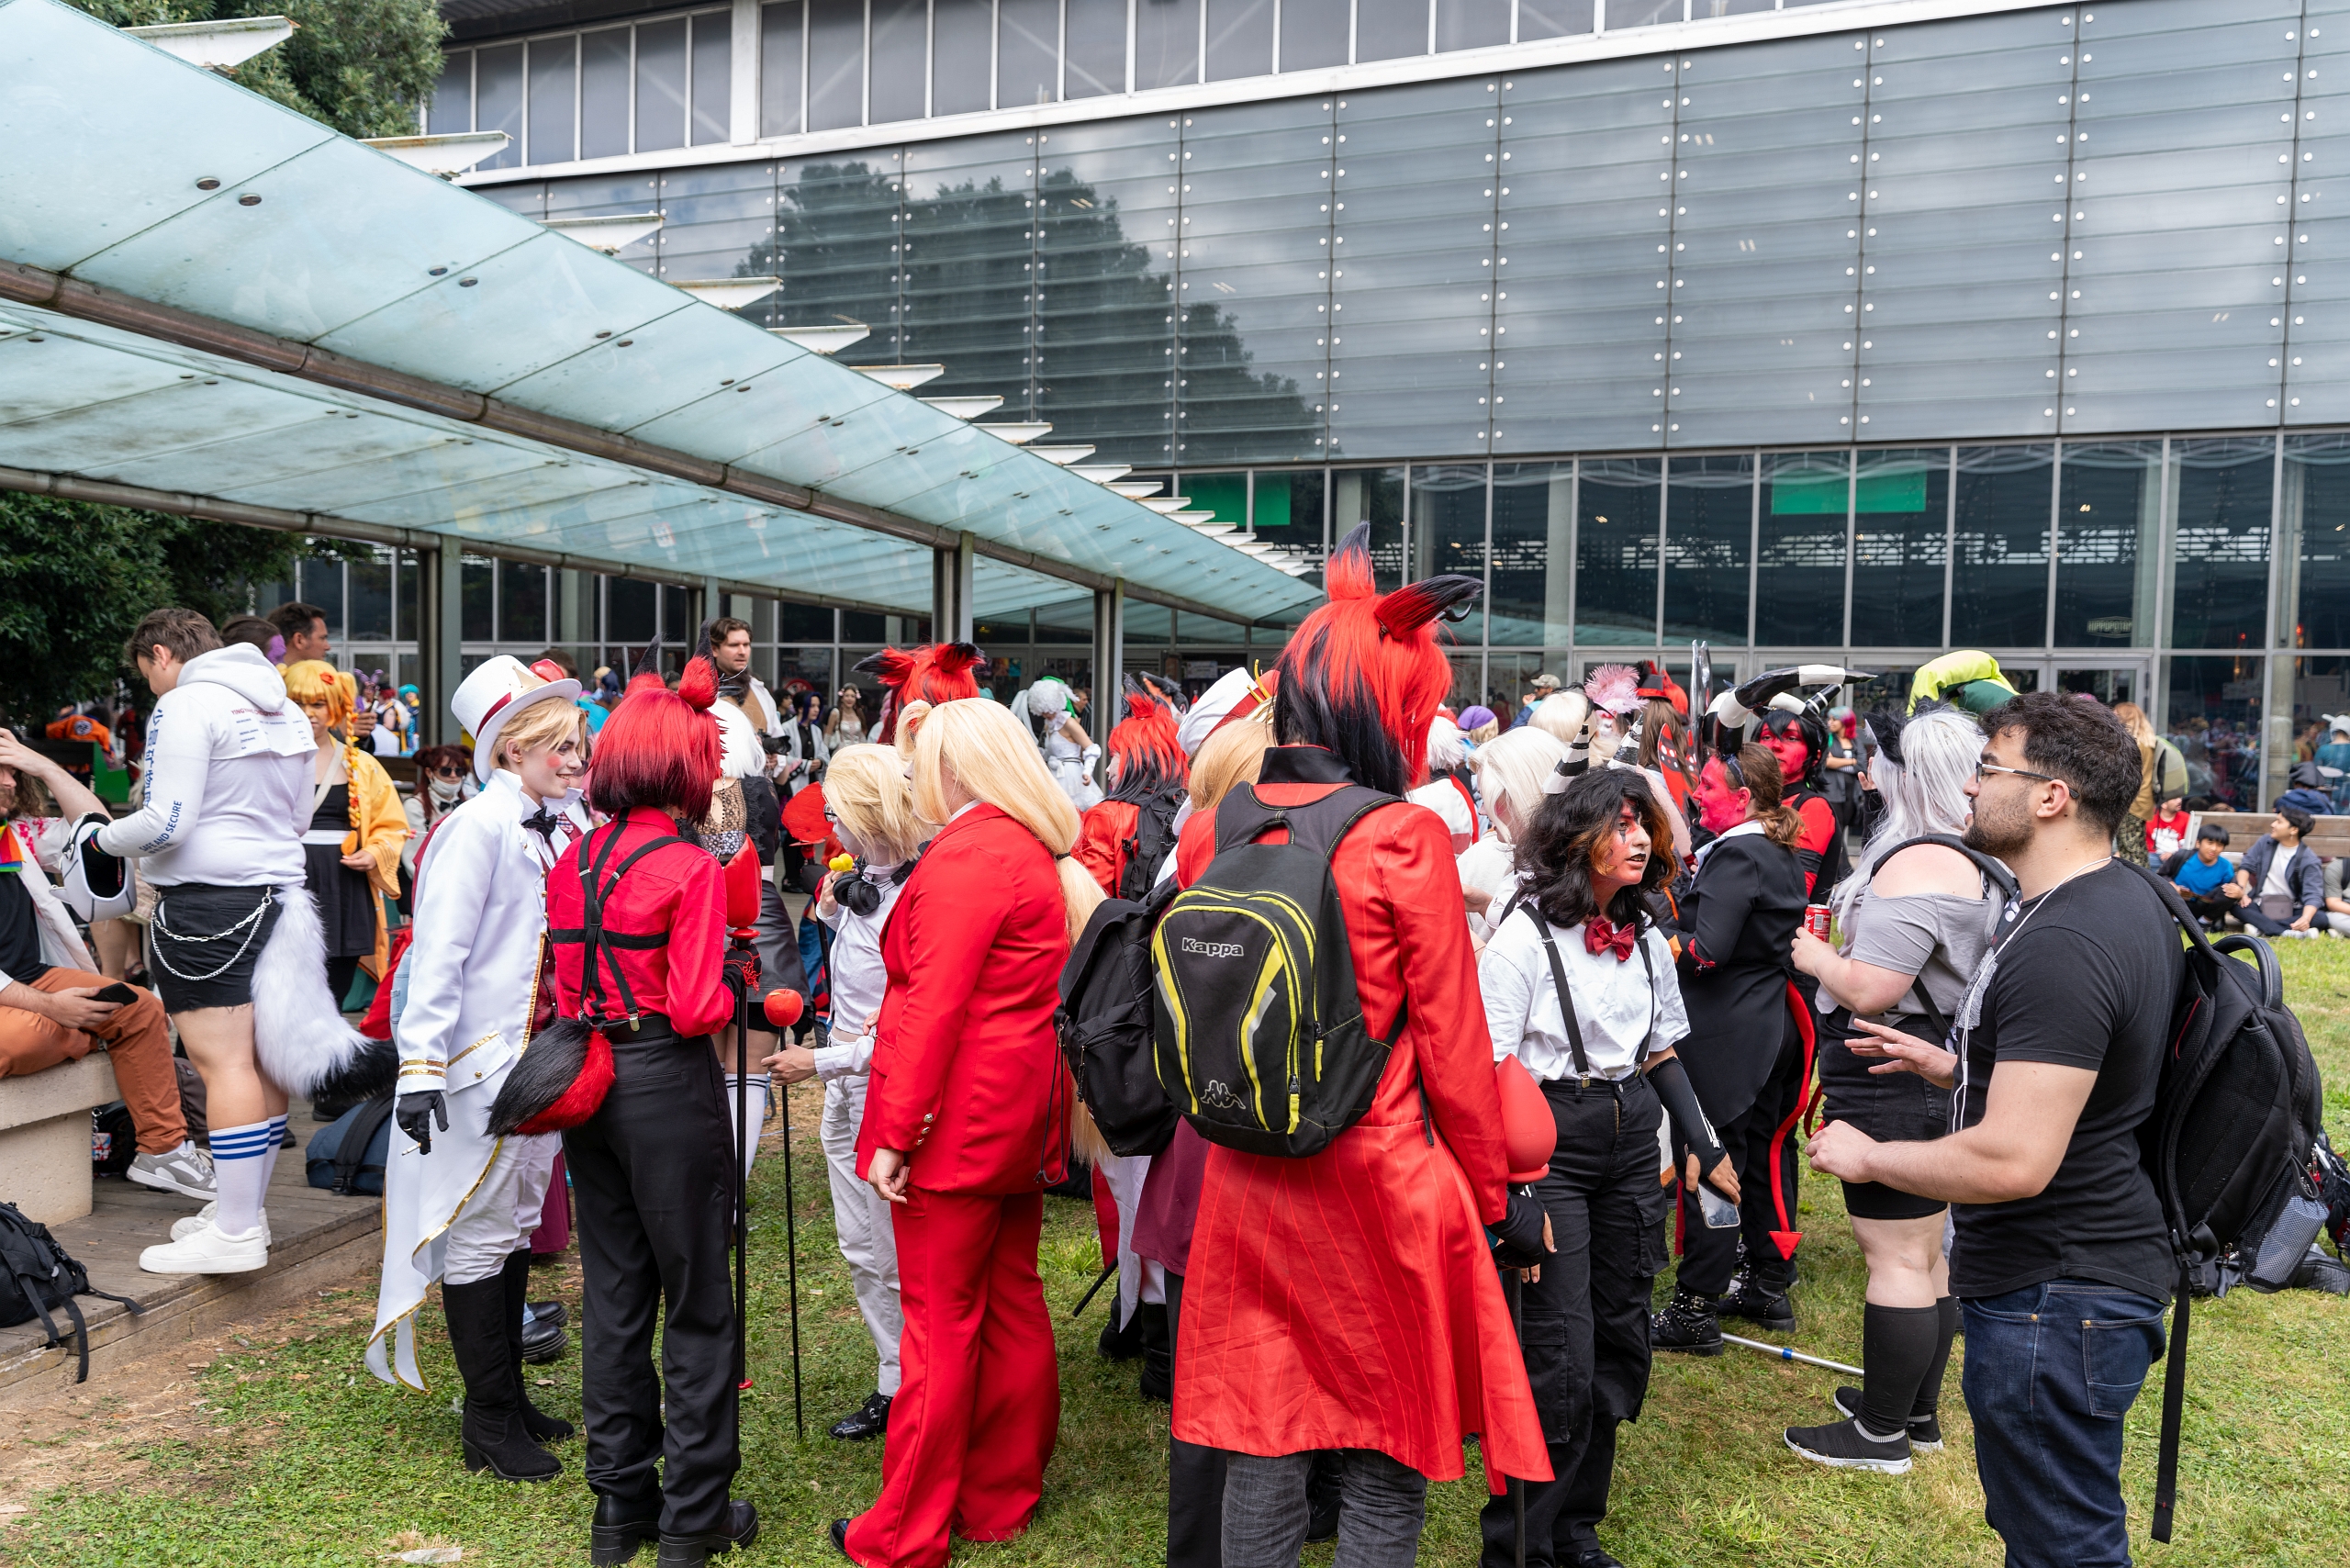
pixel 660 748
pixel 1145 744
pixel 939 672
pixel 1364 675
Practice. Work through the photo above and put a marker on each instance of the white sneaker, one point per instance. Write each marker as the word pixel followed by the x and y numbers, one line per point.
pixel 188 1225
pixel 208 1251
pixel 187 1171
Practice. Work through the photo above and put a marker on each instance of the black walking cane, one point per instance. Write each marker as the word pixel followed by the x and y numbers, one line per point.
pixel 783 1009
pixel 1513 1287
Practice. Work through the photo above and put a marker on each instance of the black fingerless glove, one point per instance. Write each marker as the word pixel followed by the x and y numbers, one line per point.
pixel 416 1111
pixel 1670 1080
pixel 1518 1237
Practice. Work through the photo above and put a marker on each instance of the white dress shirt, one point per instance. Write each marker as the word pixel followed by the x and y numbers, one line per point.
pixel 858 976
pixel 1614 1000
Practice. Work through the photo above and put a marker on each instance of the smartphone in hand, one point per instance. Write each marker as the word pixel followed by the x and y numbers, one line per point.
pixel 118 993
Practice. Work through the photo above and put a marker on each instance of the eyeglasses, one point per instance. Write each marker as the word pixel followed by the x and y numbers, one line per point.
pixel 1982 767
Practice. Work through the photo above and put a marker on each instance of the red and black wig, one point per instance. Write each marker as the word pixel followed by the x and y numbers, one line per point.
pixel 939 672
pixel 1145 745
pixel 1364 675
pixel 1812 729
pixel 660 748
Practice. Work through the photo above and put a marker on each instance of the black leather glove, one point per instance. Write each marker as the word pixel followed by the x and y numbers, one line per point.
pixel 1519 1235
pixel 417 1112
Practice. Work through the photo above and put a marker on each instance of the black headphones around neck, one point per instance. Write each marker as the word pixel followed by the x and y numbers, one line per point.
pixel 860 895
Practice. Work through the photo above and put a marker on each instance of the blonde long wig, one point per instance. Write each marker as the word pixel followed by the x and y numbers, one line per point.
pixel 990 755
pixel 866 786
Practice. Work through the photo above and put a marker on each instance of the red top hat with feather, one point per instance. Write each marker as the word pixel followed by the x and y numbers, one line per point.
pixel 938 672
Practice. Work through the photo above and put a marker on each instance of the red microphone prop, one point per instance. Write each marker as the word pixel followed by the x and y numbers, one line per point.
pixel 1530 1133
pixel 742 880
pixel 784 1008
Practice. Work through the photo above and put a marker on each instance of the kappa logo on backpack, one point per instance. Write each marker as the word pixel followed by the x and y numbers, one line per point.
pixel 1258 1029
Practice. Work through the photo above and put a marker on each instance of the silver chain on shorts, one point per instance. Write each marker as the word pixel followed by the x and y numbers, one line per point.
pixel 249 925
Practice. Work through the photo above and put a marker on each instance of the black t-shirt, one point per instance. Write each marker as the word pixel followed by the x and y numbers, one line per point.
pixel 19 929
pixel 2086 979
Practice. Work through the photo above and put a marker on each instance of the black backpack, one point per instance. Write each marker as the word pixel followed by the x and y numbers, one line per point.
pixel 1258 1030
pixel 1153 837
pixel 1104 1024
pixel 36 1274
pixel 346 1156
pixel 2232 1135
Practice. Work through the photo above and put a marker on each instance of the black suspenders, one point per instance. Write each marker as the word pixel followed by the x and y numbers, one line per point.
pixel 603 946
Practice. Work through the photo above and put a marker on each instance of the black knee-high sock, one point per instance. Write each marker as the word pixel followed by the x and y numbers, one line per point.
pixel 1929 1387
pixel 1897 1344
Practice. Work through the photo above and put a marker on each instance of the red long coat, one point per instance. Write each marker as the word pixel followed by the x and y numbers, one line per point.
pixel 1349 1300
pixel 967 1078
pixel 1101 845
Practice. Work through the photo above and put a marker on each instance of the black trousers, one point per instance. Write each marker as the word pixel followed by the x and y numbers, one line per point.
pixel 654 1173
pixel 2268 927
pixel 1584 1324
pixel 1194 1477
pixel 1709 1258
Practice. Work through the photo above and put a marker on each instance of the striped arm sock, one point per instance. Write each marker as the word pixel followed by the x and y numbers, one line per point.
pixel 241 1170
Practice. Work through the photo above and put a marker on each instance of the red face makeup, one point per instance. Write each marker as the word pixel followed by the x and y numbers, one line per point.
pixel 1720 807
pixel 1789 747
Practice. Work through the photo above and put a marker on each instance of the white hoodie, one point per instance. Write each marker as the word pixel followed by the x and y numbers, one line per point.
pixel 228 778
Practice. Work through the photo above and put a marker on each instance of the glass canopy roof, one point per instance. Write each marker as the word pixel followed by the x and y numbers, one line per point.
pixel 163 182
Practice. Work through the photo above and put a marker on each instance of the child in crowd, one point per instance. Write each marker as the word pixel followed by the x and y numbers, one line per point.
pixel 2202 875
pixel 2166 830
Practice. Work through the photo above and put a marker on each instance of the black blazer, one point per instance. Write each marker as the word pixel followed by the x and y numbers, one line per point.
pixel 1738 921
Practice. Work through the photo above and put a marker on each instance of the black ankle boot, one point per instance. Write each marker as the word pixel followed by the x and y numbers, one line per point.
pixel 1687 1324
pixel 541 1427
pixel 1121 1341
pixel 493 1436
pixel 740 1528
pixel 1158 1351
pixel 623 1525
pixel 1758 1300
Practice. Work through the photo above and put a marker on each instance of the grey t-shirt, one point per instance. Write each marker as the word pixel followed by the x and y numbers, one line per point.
pixel 1939 937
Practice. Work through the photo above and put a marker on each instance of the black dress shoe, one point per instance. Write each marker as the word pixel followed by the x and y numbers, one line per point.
pixel 840 1538
pixel 543 1341
pixel 741 1528
pixel 869 1420
pixel 549 1312
pixel 622 1523
pixel 1597 1557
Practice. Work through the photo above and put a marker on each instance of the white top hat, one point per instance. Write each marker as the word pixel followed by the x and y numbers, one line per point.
pixel 501 687
pixel 1237 692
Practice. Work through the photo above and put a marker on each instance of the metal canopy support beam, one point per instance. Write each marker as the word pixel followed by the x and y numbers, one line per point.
pixel 950 590
pixel 440 596
pixel 1108 648
pixel 574 616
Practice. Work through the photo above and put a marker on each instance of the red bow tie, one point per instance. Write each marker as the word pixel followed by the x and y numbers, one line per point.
pixel 1600 934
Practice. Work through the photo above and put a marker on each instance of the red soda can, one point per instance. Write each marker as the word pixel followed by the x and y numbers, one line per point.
pixel 1815 919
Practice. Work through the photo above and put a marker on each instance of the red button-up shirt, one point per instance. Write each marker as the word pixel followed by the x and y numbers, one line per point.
pixel 675 890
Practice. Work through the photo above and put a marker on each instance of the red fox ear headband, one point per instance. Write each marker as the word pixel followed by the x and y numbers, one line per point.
pixel 1146 744
pixel 1364 675
pixel 939 672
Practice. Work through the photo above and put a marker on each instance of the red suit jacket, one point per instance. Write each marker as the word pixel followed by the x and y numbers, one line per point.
pixel 1349 1300
pixel 967 1077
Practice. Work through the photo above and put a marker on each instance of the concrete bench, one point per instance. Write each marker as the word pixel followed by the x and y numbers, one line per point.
pixel 45 1136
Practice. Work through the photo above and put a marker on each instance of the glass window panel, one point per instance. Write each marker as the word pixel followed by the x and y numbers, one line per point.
pixel 1509 678
pixel 1167 43
pixel 1641 13
pixel 521 602
pixel 678 625
pixel 713 83
pixel 1582 317
pixel 497 100
pixel 1313 34
pixel 719 223
pixel 1386 30
pixel 1799 571
pixel 2222 494
pixel 407 612
pixel 1706 10
pixel 781 69
pixel 2213 717
pixel 1095 47
pixel 900 67
pixel 2109 508
pixel 802 623
pixel 2320 697
pixel 971 208
pixel 1526 597
pixel 1999 581
pixel 370 612
pixel 451 111
pixel 1963 253
pixel 835 64
pixel 477 591
pixel 1226 495
pixel 1287 512
pixel 322 585
pixel 1105 315
pixel 1028 52
pixel 962 38
pixel 1374 496
pixel 1448 535
pixel 604 197
pixel 1471 24
pixel 604 90
pixel 1411 267
pixel 1708 525
pixel 1900 546
pixel 661 85
pixel 861 626
pixel 2316 515
pixel 553 115
pixel 1552 19
pixel 838 250
pixel 628 610
pixel 1240 39
pixel 1252 352
pixel 810 669
pixel 1618 507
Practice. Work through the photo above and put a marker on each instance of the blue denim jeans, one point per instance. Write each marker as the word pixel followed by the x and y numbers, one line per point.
pixel 2051 1370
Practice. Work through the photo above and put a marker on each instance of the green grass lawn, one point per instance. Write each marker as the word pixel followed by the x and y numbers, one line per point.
pixel 310 1460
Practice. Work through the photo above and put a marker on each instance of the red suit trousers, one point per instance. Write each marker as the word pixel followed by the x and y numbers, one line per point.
pixel 976 1419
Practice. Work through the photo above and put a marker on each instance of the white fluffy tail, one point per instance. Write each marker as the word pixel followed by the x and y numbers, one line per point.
pixel 299 1036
